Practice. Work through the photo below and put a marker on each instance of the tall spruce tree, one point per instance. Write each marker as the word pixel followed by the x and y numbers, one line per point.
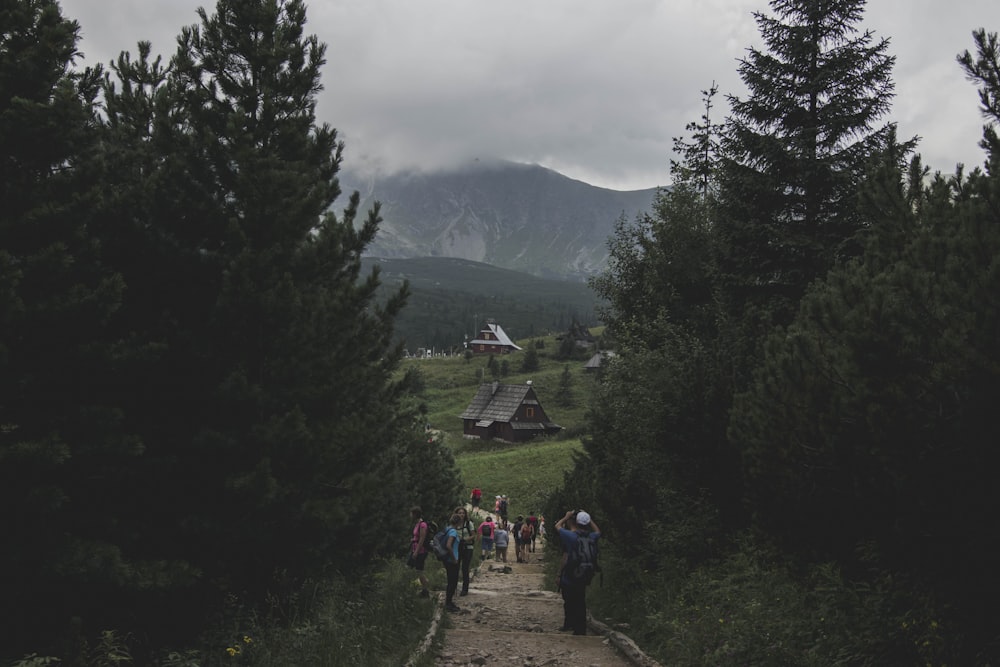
pixel 868 431
pixel 794 152
pixel 264 394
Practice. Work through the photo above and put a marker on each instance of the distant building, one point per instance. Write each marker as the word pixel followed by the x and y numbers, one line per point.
pixel 492 340
pixel 580 334
pixel 509 412
pixel 596 361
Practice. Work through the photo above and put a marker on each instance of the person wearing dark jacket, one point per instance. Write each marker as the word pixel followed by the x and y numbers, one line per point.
pixel 574 591
pixel 466 546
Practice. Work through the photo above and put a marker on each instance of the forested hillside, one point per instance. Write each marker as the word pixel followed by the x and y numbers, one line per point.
pixel 798 468
pixel 450 299
pixel 198 408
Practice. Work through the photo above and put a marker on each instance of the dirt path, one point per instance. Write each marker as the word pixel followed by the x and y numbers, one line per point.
pixel 510 617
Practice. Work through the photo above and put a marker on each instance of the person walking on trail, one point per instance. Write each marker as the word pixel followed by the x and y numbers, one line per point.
pixel 576 574
pixel 496 506
pixel 467 546
pixel 527 535
pixel 418 549
pixel 451 563
pixel 501 537
pixel 486 529
pixel 533 520
pixel 476 498
pixel 502 509
pixel 516 531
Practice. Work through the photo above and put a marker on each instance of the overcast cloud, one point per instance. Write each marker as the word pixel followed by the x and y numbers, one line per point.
pixel 595 89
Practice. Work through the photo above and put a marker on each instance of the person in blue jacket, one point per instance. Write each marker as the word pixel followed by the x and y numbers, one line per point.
pixel 451 565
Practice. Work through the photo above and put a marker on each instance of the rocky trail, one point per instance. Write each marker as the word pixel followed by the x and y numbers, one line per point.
pixel 510 618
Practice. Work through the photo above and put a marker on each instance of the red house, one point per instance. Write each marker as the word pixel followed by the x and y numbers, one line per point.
pixel 509 412
pixel 492 340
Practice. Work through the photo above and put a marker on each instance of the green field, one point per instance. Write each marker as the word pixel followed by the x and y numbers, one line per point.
pixel 525 472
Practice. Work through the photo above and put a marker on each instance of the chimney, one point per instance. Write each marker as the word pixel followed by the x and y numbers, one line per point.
pixel 496 385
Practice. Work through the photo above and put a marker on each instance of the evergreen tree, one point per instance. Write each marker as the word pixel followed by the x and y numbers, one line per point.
pixel 529 362
pixel 794 154
pixel 564 394
pixel 64 451
pixel 869 431
pixel 267 408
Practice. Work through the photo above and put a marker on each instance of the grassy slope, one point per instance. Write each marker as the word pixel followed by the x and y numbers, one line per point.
pixel 525 472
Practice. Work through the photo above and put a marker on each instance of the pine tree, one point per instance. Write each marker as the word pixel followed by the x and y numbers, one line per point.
pixel 794 152
pixel 267 405
pixel 564 394
pixel 869 428
pixel 529 362
pixel 64 452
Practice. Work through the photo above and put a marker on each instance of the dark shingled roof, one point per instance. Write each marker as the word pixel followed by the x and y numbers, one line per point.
pixel 496 402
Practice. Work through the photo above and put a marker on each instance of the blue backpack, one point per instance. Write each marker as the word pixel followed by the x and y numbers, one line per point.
pixel 439 545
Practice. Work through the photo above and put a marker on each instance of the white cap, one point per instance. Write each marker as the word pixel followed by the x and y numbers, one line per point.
pixel 582 518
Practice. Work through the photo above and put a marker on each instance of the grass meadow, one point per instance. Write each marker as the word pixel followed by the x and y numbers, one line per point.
pixel 525 472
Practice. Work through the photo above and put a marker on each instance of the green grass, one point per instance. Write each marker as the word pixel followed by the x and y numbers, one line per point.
pixel 527 474
pixel 451 382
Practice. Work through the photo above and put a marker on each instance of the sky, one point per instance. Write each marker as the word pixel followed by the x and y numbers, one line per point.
pixel 594 89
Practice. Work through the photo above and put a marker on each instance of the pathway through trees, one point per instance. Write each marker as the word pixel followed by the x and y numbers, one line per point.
pixel 509 618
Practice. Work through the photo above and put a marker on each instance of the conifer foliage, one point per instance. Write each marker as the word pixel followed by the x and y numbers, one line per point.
pixel 810 334
pixel 197 395
pixel 795 149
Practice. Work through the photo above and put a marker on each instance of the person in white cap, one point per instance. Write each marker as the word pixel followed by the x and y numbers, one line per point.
pixel 579 541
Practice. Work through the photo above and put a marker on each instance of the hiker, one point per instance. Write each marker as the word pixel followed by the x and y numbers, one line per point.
pixel 418 549
pixel 527 535
pixel 533 520
pixel 500 536
pixel 477 496
pixel 467 546
pixel 451 564
pixel 516 530
pixel 502 508
pixel 574 589
pixel 486 529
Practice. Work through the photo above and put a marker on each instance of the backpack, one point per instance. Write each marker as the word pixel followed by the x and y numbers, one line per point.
pixel 581 565
pixel 432 528
pixel 439 545
pixel 487 530
pixel 526 532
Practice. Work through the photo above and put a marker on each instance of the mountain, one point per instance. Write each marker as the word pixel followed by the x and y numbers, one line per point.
pixel 451 298
pixel 516 216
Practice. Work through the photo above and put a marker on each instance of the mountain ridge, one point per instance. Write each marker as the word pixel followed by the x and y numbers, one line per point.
pixel 516 216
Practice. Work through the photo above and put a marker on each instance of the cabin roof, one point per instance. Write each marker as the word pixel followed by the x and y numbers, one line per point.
pixel 498 402
pixel 501 337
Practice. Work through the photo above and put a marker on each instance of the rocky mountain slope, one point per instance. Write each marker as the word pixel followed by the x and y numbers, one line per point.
pixel 516 216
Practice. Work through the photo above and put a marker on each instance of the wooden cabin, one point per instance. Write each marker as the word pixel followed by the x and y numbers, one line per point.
pixel 492 340
pixel 509 412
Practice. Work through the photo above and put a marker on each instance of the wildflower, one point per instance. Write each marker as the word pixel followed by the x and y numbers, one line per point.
pixel 247 640
pixel 232 651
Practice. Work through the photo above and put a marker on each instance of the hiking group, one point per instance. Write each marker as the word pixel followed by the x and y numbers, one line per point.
pixel 454 545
